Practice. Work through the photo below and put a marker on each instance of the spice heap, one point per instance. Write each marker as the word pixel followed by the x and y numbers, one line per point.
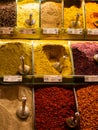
pixel 91 14
pixel 51 15
pixel 10 100
pixel 52 106
pixel 8 13
pixel 46 55
pixel 83 57
pixel 88 107
pixel 70 15
pixel 10 53
pixel 24 10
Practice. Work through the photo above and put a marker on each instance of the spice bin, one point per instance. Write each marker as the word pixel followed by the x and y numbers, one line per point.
pixel 51 19
pixel 84 60
pixel 15 54
pixel 55 105
pixel 91 20
pixel 15 112
pixel 74 22
pixel 47 60
pixel 88 106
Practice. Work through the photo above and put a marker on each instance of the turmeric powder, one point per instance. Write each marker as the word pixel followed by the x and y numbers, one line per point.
pixel 10 53
pixel 49 52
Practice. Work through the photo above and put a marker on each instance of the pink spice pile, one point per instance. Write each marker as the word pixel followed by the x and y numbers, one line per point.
pixel 83 57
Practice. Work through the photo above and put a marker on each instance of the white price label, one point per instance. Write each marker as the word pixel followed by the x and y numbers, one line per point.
pixel 6 30
pixel 50 30
pixel 75 31
pixel 93 78
pixel 92 31
pixel 27 31
pixel 52 78
pixel 11 78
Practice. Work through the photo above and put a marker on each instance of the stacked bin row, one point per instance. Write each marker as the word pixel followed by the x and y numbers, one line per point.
pixel 48 19
pixel 49 104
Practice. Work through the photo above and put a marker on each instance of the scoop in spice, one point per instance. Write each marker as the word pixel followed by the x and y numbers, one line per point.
pixel 72 122
pixel 60 65
pixel 23 111
pixel 76 23
pixel 23 69
pixel 30 21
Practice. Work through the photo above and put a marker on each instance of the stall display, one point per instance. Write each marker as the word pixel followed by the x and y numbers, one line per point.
pixel 85 57
pixel 88 107
pixel 10 102
pixel 8 13
pixel 53 105
pixel 48 61
pixel 38 45
pixel 11 52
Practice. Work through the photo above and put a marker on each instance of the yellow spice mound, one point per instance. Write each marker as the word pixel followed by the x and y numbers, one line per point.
pixel 51 15
pixel 70 15
pixel 91 17
pixel 10 53
pixel 23 12
pixel 47 53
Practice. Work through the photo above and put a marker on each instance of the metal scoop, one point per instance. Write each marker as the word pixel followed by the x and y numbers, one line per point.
pixel 60 65
pixel 23 69
pixel 72 122
pixel 76 22
pixel 30 21
pixel 96 57
pixel 23 111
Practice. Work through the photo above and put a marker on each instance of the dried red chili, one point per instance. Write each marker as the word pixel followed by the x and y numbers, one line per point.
pixel 88 107
pixel 52 106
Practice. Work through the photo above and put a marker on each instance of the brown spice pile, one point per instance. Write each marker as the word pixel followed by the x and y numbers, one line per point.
pixel 8 14
pixel 51 15
pixel 88 107
pixel 10 53
pixel 10 101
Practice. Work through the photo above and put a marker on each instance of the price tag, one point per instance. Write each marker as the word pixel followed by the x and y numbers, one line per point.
pixel 15 78
pixel 8 30
pixel 75 31
pixel 50 30
pixel 92 31
pixel 52 78
pixel 27 31
pixel 93 78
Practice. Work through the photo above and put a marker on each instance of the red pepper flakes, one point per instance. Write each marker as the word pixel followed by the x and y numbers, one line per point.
pixel 83 57
pixel 52 106
pixel 88 107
